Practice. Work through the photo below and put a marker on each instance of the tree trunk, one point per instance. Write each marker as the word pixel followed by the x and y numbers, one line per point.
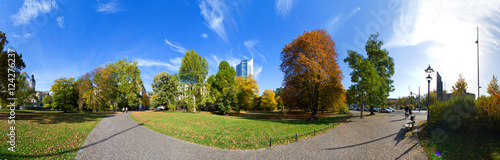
pixel 371 110
pixel 362 108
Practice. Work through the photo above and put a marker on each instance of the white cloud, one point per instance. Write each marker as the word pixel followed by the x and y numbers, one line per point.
pixel 108 8
pixel 215 12
pixel 30 10
pixel 177 48
pixel 253 49
pixel 173 66
pixel 334 22
pixel 203 35
pixel 27 35
pixel 217 60
pixel 447 29
pixel 283 7
pixel 257 71
pixel 60 21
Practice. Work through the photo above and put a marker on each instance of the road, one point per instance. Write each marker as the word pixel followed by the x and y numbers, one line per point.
pixel 379 136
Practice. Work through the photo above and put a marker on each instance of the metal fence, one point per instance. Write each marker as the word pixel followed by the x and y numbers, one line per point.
pixel 298 134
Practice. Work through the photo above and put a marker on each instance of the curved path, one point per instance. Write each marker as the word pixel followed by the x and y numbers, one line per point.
pixel 380 136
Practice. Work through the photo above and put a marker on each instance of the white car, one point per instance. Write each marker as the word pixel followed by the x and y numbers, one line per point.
pixel 160 108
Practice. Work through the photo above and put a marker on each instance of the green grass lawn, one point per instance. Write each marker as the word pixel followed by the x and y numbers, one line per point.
pixel 46 134
pixel 239 131
pixel 459 145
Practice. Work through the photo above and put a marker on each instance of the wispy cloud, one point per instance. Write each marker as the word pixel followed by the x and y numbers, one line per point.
pixel 108 8
pixel 30 10
pixel 60 21
pixel 27 35
pixel 257 70
pixel 215 12
pixel 173 64
pixel 253 49
pixel 283 7
pixel 334 22
pixel 203 35
pixel 177 48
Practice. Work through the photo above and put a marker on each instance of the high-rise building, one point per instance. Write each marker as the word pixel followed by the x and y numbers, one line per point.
pixel 245 68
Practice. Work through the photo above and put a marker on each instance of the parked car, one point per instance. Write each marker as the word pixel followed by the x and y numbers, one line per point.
pixel 160 108
pixel 385 110
pixel 392 109
pixel 376 109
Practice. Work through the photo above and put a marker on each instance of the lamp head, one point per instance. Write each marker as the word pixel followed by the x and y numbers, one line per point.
pixel 429 70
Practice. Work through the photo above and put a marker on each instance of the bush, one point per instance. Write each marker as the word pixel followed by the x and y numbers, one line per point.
pixel 459 112
pixel 343 109
pixel 172 107
pixel 489 113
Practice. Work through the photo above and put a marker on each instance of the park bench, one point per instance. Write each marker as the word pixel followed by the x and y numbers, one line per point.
pixel 410 124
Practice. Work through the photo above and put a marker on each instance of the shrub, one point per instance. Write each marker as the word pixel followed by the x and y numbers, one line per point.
pixel 488 113
pixel 459 112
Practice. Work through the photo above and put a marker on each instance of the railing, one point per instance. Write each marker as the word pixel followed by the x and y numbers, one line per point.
pixel 297 134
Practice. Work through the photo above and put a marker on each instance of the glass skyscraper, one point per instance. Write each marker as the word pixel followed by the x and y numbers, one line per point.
pixel 245 68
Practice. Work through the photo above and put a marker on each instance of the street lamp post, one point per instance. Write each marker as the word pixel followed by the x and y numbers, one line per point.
pixel 429 70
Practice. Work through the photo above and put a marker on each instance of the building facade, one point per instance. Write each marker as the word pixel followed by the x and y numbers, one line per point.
pixel 245 68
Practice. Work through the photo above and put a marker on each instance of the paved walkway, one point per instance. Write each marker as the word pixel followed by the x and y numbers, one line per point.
pixel 375 137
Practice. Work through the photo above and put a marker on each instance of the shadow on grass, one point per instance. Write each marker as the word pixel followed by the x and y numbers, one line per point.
pixel 293 118
pixel 72 150
pixel 360 144
pixel 459 144
pixel 55 118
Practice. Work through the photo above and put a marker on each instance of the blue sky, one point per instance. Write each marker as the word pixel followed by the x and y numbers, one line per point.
pixel 69 38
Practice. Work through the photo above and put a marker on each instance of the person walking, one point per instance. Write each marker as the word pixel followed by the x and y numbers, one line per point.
pixel 123 109
pixel 126 109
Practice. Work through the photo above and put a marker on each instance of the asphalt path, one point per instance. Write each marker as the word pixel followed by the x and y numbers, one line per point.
pixel 380 136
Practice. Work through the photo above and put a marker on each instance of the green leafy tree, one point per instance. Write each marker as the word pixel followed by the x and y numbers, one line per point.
pixel 213 93
pixel 371 76
pixel 364 78
pixel 384 65
pixel 165 87
pixel 268 101
pixel 493 86
pixel 24 93
pixel 460 86
pixel 106 87
pixel 225 84
pixel 47 101
pixel 8 68
pixel 193 71
pixel 83 85
pixel 127 76
pixel 64 94
pixel 278 91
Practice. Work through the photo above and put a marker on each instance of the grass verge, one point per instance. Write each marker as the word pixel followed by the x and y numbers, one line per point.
pixel 441 144
pixel 238 131
pixel 46 134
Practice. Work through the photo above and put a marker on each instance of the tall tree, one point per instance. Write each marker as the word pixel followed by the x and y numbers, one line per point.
pixel 225 84
pixel 106 87
pixel 64 94
pixel 213 93
pixel 24 93
pixel 460 86
pixel 127 76
pixel 268 101
pixel 378 66
pixel 12 64
pixel 193 71
pixel 278 91
pixel 248 88
pixel 384 65
pixel 364 78
pixel 279 103
pixel 493 86
pixel 165 87
pixel 309 64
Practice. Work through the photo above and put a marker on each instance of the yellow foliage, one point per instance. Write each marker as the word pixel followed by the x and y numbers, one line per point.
pixel 268 101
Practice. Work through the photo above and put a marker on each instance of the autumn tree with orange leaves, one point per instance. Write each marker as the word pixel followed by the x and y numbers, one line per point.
pixel 312 73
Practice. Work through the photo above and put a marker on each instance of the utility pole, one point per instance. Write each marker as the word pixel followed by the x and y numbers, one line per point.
pixel 419 106
pixel 477 42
